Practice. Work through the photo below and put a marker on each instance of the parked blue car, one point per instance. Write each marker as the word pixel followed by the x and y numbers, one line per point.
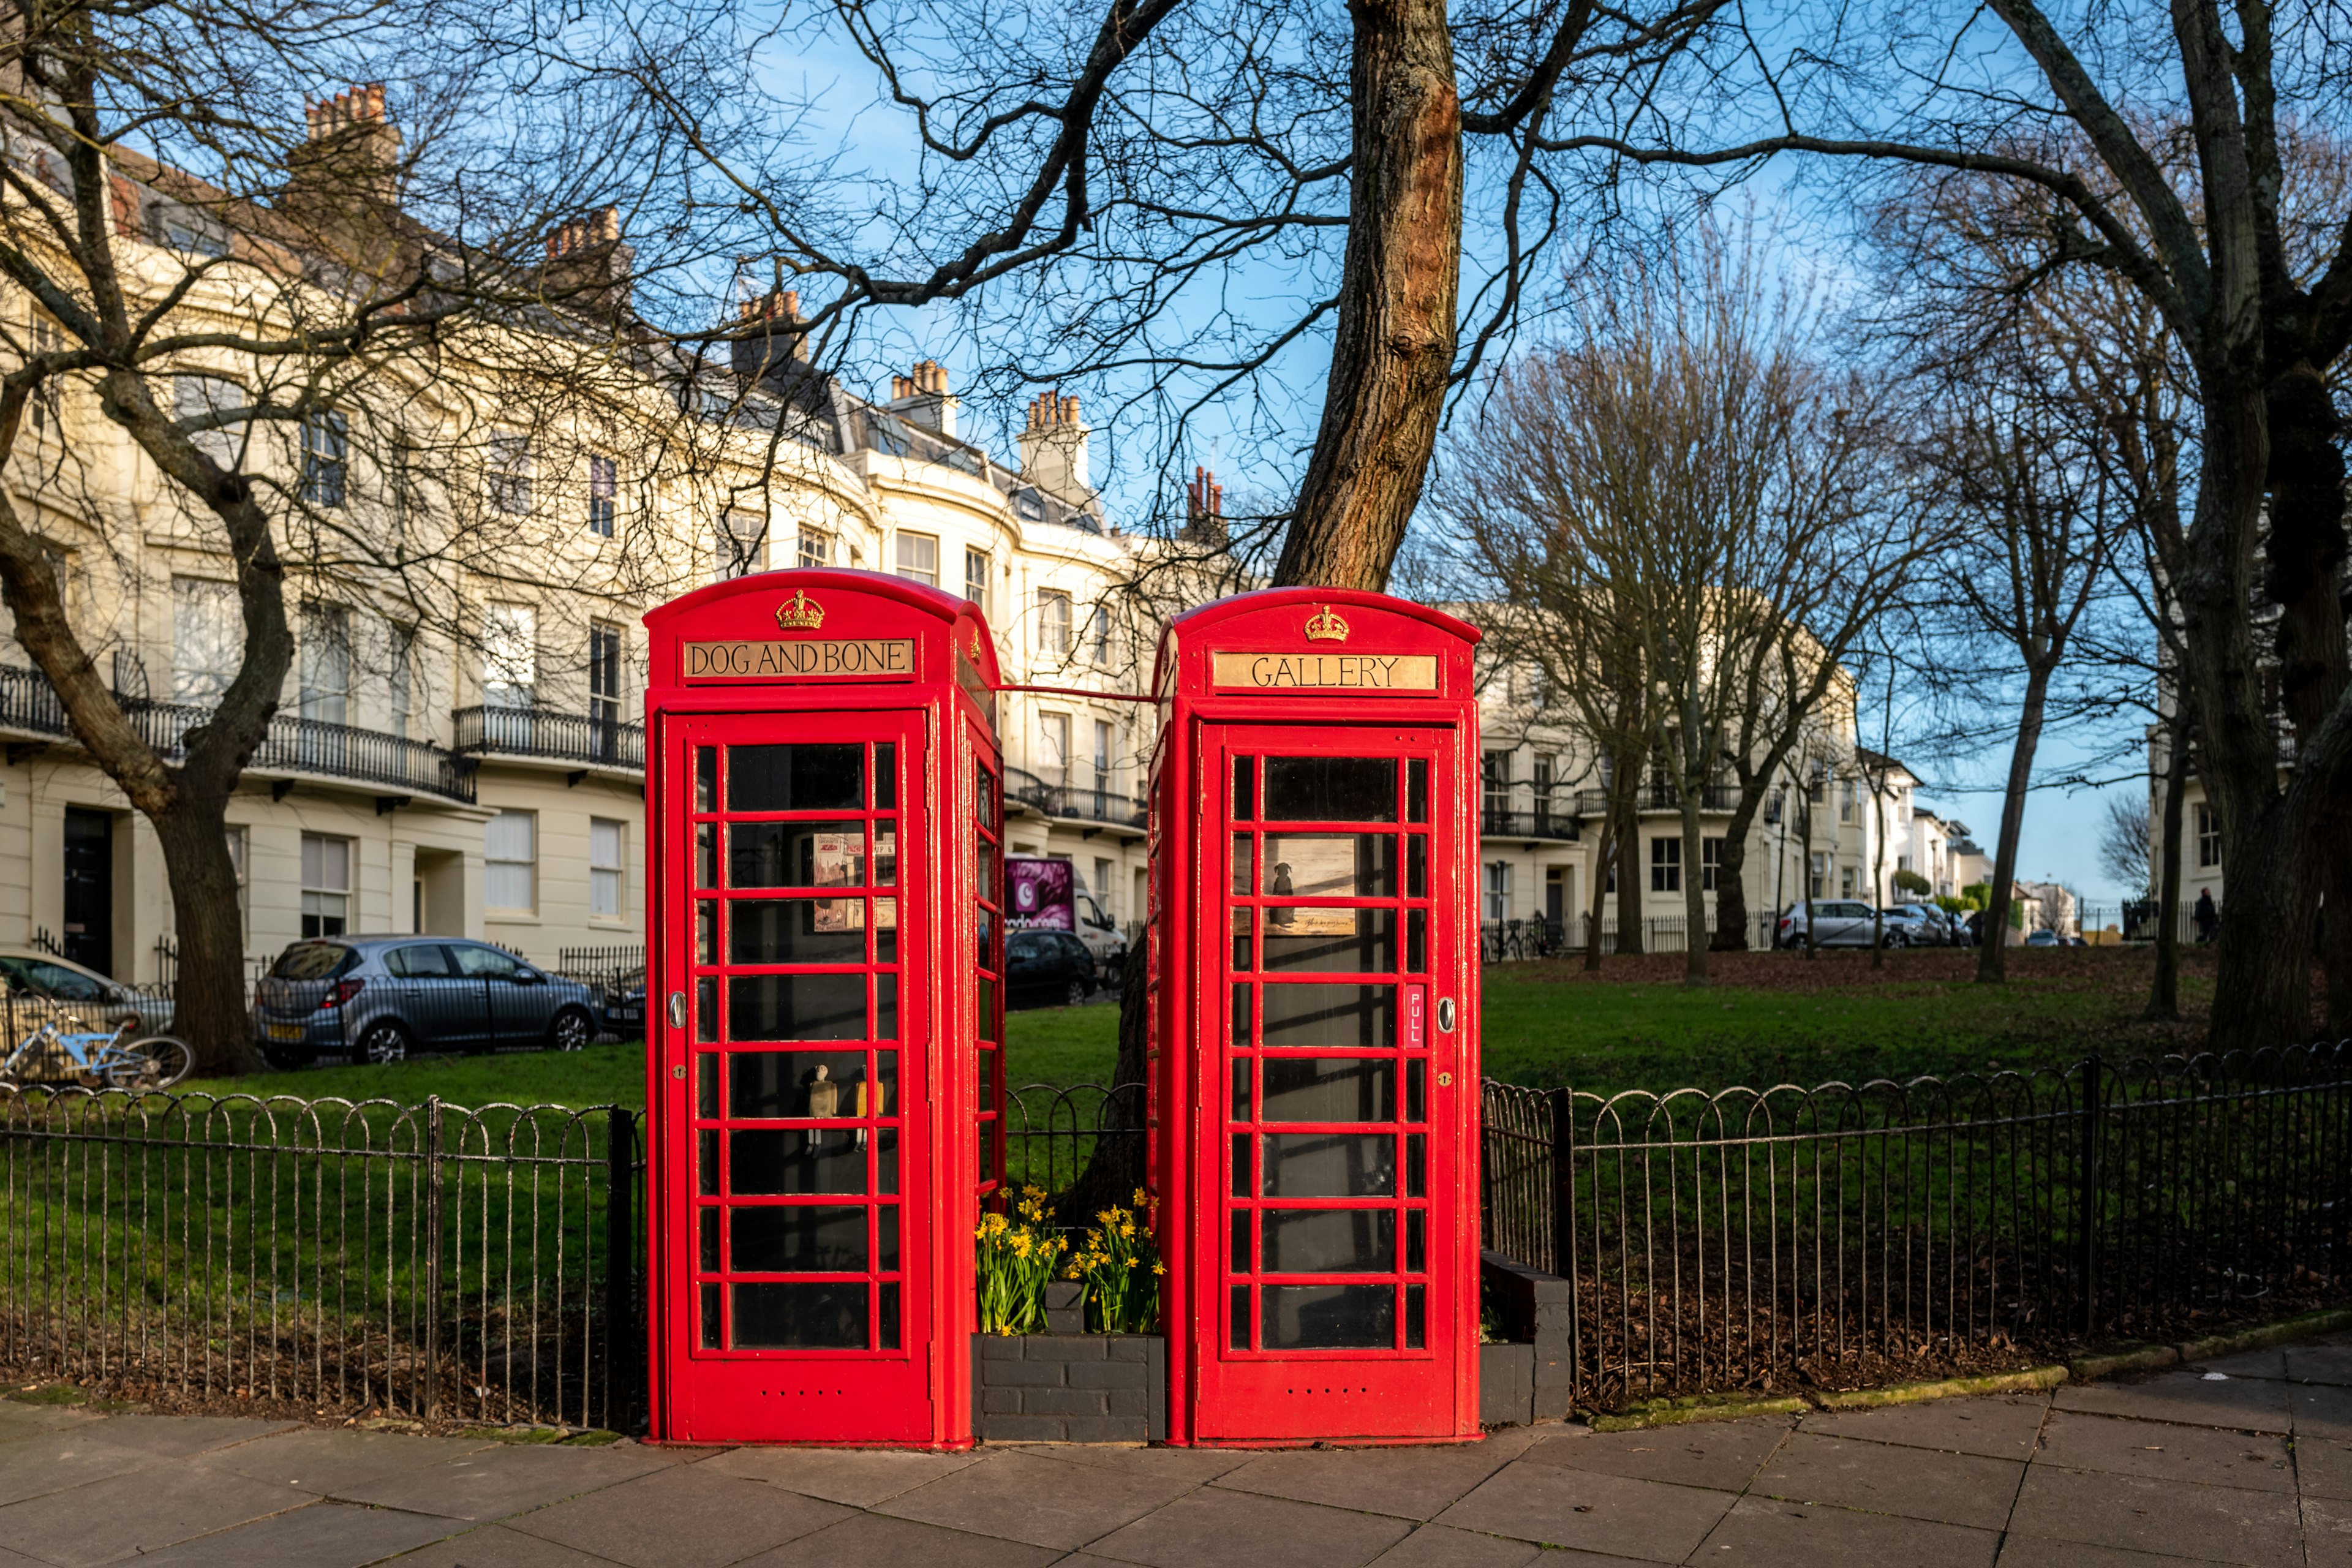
pixel 377 998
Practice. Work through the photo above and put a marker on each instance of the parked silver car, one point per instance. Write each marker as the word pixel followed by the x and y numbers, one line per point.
pixel 377 998
pixel 44 977
pixel 1836 922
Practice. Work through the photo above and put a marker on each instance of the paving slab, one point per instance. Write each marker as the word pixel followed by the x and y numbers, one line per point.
pixel 1198 1466
pixel 2250 1404
pixel 2322 1467
pixel 18 1419
pixel 2219 1525
pixel 685 1515
pixel 2168 1452
pixel 2270 1363
pixel 1721 1454
pixel 859 1477
pixel 322 1535
pixel 1997 1426
pixel 1773 1534
pixel 1590 1511
pixel 499 1481
pixel 496 1546
pixel 1412 1482
pixel 875 1541
pixel 2326 1529
pixel 60 1460
pixel 137 1511
pixel 178 1436
pixel 1216 1529
pixel 2319 1363
pixel 1914 1483
pixel 1018 1496
pixel 2038 1552
pixel 1439 1546
pixel 2321 1411
pixel 315 1459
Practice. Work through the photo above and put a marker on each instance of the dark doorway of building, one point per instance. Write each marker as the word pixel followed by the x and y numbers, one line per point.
pixel 90 890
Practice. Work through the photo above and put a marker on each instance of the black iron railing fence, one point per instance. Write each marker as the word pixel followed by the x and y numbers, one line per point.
pixel 1509 942
pixel 1052 1131
pixel 1081 802
pixel 300 745
pixel 1745 1238
pixel 555 733
pixel 426 1260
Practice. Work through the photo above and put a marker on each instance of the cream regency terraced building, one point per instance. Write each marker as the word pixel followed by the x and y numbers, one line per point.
pixel 459 746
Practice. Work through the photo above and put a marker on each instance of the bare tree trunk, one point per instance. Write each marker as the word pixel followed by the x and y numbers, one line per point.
pixel 1993 953
pixel 1731 915
pixel 2164 990
pixel 1599 898
pixel 1629 891
pixel 209 1002
pixel 1805 862
pixel 1694 895
pixel 1394 345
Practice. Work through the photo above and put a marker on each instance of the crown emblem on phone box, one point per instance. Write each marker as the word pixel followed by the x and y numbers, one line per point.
pixel 1326 626
pixel 799 613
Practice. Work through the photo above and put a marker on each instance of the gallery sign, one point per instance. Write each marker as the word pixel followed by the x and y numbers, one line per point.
pixel 1366 674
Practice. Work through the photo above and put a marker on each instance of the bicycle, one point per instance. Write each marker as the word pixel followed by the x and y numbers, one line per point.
pixel 104 1060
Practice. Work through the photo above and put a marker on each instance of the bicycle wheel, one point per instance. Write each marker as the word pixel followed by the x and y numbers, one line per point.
pixel 159 1061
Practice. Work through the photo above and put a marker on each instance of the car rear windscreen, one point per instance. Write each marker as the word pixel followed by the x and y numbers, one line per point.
pixel 313 961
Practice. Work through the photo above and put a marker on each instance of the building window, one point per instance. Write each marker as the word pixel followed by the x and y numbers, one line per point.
pixel 1098 638
pixel 1102 767
pixel 975 578
pixel 1666 865
pixel 207 639
pixel 1052 622
pixel 326 885
pixel 403 678
pixel 812 549
pixel 1494 772
pixel 606 839
pixel 1817 881
pixel 1498 890
pixel 604 675
pixel 1104 875
pixel 604 493
pixel 204 398
pixel 1547 766
pixel 509 656
pixel 326 456
pixel 1846 882
pixel 739 545
pixel 1054 748
pixel 919 558
pixel 509 474
pixel 325 674
pixel 2209 836
pixel 510 862
pixel 1849 800
pixel 1710 857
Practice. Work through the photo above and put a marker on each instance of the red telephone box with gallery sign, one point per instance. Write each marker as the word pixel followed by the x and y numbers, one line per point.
pixel 1313 1087
pixel 823 832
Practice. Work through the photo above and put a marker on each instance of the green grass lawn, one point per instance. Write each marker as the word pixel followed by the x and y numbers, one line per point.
pixel 1769 1018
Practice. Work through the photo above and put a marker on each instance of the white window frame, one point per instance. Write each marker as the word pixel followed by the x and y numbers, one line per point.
pixel 812 549
pixel 510 655
pixel 977 565
pixel 2209 836
pixel 916 557
pixel 608 868
pixel 1053 733
pixel 1498 890
pixel 1665 864
pixel 502 868
pixel 508 477
pixel 207 639
pixel 1053 623
pixel 326 873
pixel 604 494
pixel 323 677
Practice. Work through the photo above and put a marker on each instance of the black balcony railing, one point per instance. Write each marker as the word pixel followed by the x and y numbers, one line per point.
pixel 28 703
pixel 299 745
pixel 1664 794
pixel 1547 820
pixel 553 733
pixel 1074 803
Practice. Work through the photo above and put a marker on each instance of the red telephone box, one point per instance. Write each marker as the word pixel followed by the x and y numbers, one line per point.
pixel 1314 1081
pixel 823 825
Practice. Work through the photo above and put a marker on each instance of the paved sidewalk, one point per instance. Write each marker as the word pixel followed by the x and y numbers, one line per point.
pixel 2246 1460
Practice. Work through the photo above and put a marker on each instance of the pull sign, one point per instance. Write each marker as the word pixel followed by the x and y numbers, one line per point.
pixel 1445 1015
pixel 677 1009
pixel 1416 1008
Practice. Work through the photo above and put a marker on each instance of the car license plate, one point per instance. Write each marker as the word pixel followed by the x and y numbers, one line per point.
pixel 285 1031
pixel 629 1015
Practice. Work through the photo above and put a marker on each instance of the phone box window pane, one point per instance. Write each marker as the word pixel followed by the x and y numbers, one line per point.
pixel 705 931
pixel 798 855
pixel 1329 1317
pixel 796 778
pixel 1242 1089
pixel 1242 922
pixel 797 931
pixel 885 1006
pixel 885 776
pixel 1416 1246
pixel 1331 941
pixel 709 1226
pixel 805 1315
pixel 1416 790
pixel 1330 1165
pixel 709 1315
pixel 797 1007
pixel 1241 1229
pixel 885 1160
pixel 706 855
pixel 782 1085
pixel 1241 1016
pixel 705 1010
pixel 985 1009
pixel 887 1318
pixel 1245 788
pixel 1242 863
pixel 1417 941
pixel 706 1165
pixel 1416 1165
pixel 707 1084
pixel 1330 789
pixel 1329 1089
pixel 885 1231
pixel 1330 1241
pixel 1241 1166
pixel 804 1238
pixel 1416 867
pixel 796 1161
pixel 1239 1337
pixel 1309 1015
pixel 1329 865
pixel 706 779
pixel 1416 1087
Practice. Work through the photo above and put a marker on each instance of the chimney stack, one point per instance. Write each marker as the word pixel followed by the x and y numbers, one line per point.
pixel 1053 449
pixel 345 176
pixel 774 335
pixel 1204 510
pixel 921 397
pixel 588 263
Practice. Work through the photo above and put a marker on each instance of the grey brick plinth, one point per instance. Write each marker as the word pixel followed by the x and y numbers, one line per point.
pixel 1069 1388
